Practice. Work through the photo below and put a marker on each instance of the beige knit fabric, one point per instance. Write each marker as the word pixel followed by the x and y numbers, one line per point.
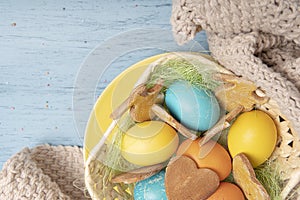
pixel 257 39
pixel 44 172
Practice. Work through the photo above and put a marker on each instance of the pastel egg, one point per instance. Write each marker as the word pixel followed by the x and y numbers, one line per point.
pixel 227 191
pixel 214 157
pixel 194 107
pixel 149 143
pixel 253 133
pixel 152 188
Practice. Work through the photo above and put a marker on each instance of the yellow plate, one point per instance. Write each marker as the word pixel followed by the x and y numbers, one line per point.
pixel 115 93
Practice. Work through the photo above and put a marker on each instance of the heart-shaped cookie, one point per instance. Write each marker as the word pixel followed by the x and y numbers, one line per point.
pixel 184 180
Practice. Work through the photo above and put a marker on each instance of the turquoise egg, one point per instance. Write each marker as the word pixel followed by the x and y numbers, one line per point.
pixel 194 107
pixel 152 188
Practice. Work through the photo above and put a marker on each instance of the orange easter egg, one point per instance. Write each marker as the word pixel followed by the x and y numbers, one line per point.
pixel 227 191
pixel 213 156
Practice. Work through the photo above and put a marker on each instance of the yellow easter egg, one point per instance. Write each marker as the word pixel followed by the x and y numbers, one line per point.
pixel 253 133
pixel 149 143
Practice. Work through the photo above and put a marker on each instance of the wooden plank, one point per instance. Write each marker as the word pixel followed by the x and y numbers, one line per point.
pixel 43 44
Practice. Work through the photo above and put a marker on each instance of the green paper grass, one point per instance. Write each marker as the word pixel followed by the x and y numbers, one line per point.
pixel 176 69
pixel 270 179
pixel 115 164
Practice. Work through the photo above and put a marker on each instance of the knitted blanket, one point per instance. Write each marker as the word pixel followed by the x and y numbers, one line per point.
pixel 44 172
pixel 256 39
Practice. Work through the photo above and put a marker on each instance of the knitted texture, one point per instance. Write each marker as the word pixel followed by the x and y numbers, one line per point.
pixel 256 39
pixel 44 172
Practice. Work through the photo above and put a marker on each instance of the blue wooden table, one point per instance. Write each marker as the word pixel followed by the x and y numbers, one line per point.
pixel 44 47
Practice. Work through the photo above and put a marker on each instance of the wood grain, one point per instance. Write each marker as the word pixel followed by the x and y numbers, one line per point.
pixel 42 46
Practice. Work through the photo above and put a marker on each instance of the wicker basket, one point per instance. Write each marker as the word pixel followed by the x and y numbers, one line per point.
pixel 286 156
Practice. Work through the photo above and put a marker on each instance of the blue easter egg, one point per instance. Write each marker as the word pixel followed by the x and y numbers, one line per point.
pixel 194 107
pixel 152 188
